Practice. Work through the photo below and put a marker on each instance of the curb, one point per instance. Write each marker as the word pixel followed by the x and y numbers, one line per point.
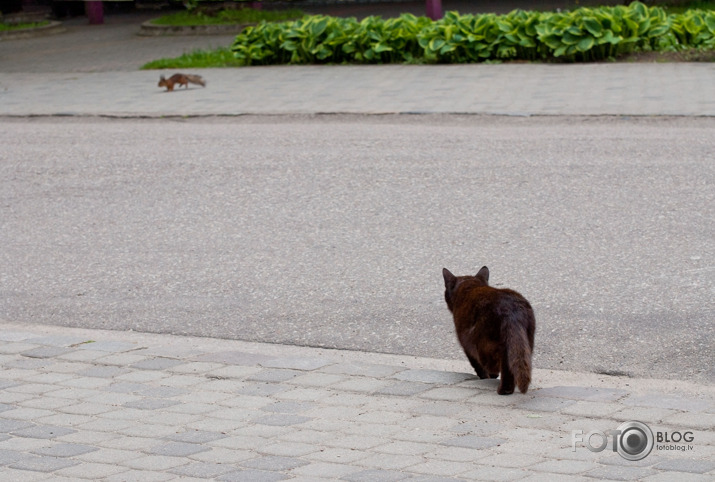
pixel 181 344
pixel 51 28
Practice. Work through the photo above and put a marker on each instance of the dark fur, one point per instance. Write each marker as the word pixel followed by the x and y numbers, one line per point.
pixel 495 328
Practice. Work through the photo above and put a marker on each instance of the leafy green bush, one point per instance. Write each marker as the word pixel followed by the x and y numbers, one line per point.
pixel 323 39
pixel 584 34
pixel 384 41
pixel 473 38
pixel 695 28
pixel 595 34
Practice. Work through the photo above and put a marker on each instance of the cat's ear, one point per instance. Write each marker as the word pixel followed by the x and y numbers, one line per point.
pixel 484 274
pixel 449 279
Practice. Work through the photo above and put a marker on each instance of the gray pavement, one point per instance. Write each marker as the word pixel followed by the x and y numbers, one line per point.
pixel 120 405
pixel 332 231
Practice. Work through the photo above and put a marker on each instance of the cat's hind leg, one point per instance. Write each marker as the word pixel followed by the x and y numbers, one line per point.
pixel 481 372
pixel 506 386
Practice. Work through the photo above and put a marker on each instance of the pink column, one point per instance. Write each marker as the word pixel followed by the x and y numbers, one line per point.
pixel 94 12
pixel 433 9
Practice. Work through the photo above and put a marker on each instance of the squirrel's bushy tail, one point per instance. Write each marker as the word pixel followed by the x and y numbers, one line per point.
pixel 519 350
pixel 196 79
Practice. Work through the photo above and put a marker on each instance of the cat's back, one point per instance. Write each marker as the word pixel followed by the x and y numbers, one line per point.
pixel 493 305
pixel 468 296
pixel 510 308
pixel 482 294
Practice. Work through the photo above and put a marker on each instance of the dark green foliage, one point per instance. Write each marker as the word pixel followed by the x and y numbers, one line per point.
pixel 695 28
pixel 584 34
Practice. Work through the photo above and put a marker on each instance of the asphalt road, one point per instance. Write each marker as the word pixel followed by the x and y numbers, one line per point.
pixel 333 230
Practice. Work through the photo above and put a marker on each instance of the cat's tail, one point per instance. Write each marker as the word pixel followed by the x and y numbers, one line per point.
pixel 519 353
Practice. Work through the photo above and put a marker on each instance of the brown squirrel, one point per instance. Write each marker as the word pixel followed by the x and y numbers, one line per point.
pixel 181 79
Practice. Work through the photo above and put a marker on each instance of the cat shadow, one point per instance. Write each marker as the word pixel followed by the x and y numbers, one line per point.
pixel 482 384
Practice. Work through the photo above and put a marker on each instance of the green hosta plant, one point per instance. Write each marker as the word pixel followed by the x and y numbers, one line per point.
pixel 322 39
pixel 596 34
pixel 695 28
pixel 375 40
pixel 460 38
pixel 473 38
pixel 584 34
pixel 259 45
pixel 518 29
pixel 305 39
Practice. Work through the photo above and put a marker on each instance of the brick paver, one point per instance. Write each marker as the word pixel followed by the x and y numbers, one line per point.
pixel 326 420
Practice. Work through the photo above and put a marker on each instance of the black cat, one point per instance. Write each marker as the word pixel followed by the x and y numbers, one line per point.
pixel 495 328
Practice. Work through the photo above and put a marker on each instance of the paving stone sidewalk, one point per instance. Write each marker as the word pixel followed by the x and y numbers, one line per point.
pixel 517 89
pixel 88 404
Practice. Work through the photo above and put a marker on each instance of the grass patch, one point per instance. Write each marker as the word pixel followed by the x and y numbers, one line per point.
pixel 198 59
pixel 227 17
pixel 4 27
